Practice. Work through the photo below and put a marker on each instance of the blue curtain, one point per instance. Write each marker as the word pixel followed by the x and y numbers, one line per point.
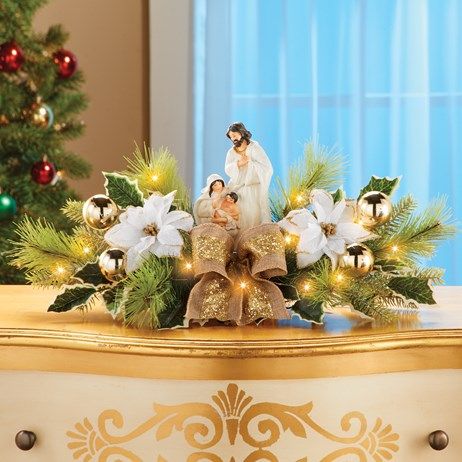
pixel 381 79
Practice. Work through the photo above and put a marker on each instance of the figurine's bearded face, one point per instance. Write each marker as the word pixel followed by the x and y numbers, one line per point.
pixel 236 139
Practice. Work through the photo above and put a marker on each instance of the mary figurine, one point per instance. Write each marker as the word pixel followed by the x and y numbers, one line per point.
pixel 210 199
pixel 250 172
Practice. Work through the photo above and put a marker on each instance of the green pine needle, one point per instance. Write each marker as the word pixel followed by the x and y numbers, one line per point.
pixel 48 256
pixel 157 171
pixel 320 168
pixel 73 210
pixel 410 237
pixel 150 291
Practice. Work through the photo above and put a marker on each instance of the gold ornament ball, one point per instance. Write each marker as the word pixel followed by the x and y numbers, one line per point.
pixel 113 263
pixel 358 260
pixel 100 212
pixel 40 115
pixel 374 208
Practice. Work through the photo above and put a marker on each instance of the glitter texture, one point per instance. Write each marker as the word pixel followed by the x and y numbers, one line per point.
pixel 259 305
pixel 216 299
pixel 209 248
pixel 264 244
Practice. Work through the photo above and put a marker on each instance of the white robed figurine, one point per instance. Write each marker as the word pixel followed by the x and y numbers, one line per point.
pixel 210 199
pixel 250 172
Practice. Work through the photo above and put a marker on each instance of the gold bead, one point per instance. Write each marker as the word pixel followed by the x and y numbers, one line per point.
pixel 100 212
pixel 358 260
pixel 374 208
pixel 113 264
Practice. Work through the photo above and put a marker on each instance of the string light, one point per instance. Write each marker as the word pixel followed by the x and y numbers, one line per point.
pixel 60 270
pixel 188 266
pixel 154 178
pixel 243 285
pixel 300 199
pixel 86 250
pixel 339 278
pixel 288 239
pixel 394 249
pixel 306 286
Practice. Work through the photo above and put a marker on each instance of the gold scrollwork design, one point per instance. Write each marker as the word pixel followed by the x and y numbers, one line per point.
pixel 233 413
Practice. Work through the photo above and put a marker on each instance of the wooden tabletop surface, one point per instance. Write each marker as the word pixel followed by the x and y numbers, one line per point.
pixel 25 307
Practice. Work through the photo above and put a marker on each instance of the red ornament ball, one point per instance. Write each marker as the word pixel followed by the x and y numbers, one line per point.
pixel 11 57
pixel 43 172
pixel 66 62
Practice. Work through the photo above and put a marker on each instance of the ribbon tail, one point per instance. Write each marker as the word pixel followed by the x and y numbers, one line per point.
pixel 262 300
pixel 210 299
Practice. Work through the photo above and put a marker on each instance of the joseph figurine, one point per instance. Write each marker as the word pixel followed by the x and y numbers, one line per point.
pixel 250 172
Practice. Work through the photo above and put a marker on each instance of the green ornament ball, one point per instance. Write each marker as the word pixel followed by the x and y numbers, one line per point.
pixel 8 206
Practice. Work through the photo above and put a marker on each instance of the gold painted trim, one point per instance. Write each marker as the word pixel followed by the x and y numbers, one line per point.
pixel 233 348
pixel 23 349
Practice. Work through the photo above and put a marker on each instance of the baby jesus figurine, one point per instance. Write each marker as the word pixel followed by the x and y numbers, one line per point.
pixel 227 213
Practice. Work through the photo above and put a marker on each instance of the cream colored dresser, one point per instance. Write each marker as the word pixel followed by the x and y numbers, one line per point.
pixel 83 388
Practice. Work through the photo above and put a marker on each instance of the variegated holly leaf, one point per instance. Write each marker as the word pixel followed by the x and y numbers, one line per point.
pixel 123 191
pixel 73 297
pixel 412 288
pixel 338 195
pixel 385 185
pixel 91 274
pixel 309 310
pixel 114 299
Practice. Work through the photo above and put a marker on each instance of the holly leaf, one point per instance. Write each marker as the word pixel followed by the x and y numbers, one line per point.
pixel 413 288
pixel 114 299
pixel 123 191
pixel 309 310
pixel 72 298
pixel 385 185
pixel 171 317
pixel 91 274
pixel 288 292
pixel 338 195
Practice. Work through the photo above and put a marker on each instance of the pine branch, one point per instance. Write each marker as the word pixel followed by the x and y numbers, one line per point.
pixel 150 293
pixel 415 236
pixel 55 37
pixel 157 171
pixel 73 166
pixel 320 168
pixel 401 212
pixel 433 275
pixel 73 210
pixel 43 252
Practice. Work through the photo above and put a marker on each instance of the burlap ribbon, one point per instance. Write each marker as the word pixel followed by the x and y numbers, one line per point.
pixel 233 283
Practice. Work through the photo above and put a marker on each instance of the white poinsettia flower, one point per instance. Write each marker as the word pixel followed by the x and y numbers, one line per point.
pixel 150 229
pixel 326 231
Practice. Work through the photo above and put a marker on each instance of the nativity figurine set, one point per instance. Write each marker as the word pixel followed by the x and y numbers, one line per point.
pixel 242 202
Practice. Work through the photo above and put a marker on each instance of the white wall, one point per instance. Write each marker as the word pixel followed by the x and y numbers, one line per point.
pixel 171 80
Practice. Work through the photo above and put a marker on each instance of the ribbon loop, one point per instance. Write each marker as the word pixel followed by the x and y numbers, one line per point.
pixel 264 247
pixel 212 249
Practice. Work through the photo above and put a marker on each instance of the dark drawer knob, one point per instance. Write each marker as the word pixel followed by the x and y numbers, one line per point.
pixel 438 440
pixel 25 440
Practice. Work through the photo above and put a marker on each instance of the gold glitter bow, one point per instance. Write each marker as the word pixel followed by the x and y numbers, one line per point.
pixel 233 283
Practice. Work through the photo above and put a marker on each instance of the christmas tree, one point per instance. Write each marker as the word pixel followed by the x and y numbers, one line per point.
pixel 40 100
